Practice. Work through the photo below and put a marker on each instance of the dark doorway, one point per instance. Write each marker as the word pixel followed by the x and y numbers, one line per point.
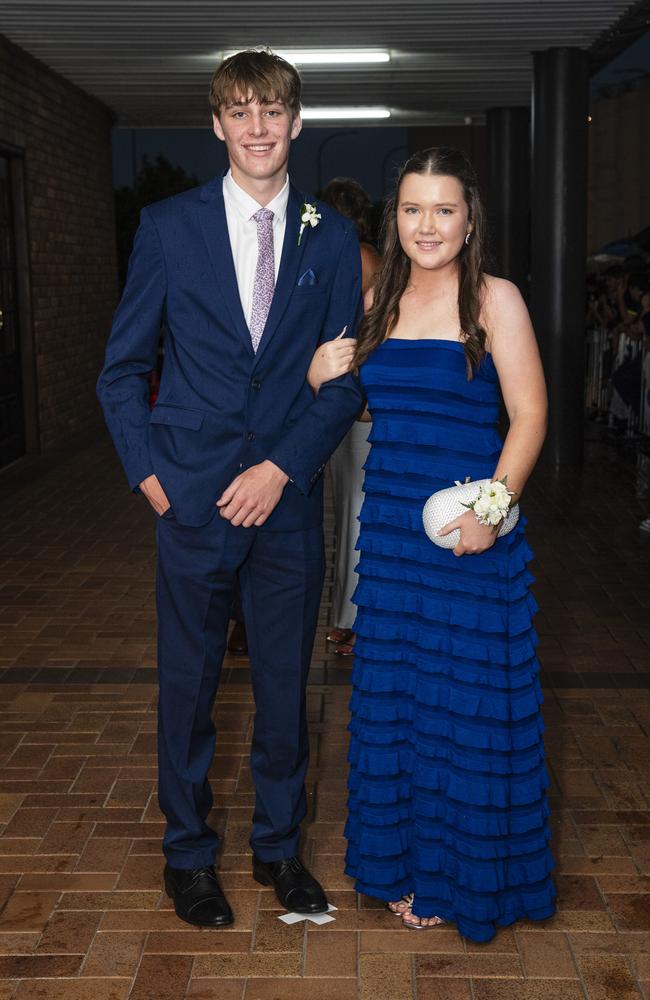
pixel 12 422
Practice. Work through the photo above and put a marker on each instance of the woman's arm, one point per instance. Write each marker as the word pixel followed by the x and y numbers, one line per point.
pixel 334 357
pixel 331 360
pixel 519 367
pixel 516 358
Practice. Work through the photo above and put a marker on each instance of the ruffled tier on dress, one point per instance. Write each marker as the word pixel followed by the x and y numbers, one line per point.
pixel 447 786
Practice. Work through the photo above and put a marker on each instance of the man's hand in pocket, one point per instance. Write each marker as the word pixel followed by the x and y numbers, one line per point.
pixel 155 494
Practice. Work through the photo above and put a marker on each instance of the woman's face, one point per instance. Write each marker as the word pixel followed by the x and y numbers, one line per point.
pixel 432 219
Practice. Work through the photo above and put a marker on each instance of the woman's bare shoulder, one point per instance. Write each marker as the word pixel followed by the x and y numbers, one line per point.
pixel 501 300
pixel 500 292
pixel 505 318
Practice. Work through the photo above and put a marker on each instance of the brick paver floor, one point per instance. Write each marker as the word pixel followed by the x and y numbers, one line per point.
pixel 83 916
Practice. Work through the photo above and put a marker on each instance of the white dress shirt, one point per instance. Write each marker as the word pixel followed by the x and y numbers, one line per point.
pixel 242 230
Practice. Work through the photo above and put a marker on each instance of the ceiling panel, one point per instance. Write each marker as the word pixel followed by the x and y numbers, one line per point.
pixel 151 60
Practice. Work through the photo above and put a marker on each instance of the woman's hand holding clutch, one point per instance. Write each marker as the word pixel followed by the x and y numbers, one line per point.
pixel 474 537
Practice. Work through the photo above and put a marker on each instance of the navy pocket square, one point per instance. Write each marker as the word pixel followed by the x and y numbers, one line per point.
pixel 308 278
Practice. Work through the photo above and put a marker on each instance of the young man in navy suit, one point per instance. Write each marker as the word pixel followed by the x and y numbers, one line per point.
pixel 230 459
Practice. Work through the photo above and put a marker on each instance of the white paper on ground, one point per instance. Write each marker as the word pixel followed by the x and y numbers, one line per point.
pixel 291 918
pixel 316 918
pixel 321 918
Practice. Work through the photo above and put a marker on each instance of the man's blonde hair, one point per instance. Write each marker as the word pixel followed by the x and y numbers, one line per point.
pixel 255 75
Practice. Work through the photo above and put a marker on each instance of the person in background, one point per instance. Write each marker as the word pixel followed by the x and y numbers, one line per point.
pixel 346 464
pixel 629 379
pixel 615 284
pixel 348 197
pixel 637 306
pixel 629 334
pixel 598 314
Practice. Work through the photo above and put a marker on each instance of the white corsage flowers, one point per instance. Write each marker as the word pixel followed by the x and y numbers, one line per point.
pixel 308 217
pixel 493 502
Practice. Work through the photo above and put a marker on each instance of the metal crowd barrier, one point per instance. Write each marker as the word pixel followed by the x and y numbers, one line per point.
pixel 617 369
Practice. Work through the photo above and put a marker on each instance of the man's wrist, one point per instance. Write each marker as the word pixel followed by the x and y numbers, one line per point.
pixel 281 475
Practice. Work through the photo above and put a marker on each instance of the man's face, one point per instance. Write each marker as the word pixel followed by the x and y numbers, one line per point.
pixel 257 137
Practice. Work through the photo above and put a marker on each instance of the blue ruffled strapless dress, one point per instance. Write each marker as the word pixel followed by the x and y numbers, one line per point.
pixel 447 785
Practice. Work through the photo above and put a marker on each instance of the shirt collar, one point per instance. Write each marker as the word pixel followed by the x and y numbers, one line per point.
pixel 247 206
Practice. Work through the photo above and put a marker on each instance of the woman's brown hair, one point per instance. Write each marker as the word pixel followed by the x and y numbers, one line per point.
pixel 393 277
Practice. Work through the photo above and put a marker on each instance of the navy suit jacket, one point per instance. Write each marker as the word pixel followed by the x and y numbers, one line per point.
pixel 221 407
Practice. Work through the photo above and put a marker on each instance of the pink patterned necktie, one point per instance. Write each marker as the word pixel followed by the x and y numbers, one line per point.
pixel 264 275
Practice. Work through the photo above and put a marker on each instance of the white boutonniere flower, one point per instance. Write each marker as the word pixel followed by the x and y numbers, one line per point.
pixel 308 217
pixel 493 502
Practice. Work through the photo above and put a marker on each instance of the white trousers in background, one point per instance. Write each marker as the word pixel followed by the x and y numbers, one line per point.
pixel 346 469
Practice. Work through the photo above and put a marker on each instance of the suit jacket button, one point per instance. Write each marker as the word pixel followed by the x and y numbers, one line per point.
pixel 250 436
pixel 256 384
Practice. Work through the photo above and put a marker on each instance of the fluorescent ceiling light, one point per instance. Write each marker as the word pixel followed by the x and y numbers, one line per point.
pixel 324 114
pixel 316 57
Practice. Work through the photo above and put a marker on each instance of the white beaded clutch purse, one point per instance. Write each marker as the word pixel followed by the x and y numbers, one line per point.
pixel 446 505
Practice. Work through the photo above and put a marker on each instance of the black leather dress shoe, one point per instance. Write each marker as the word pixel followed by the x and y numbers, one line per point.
pixel 198 897
pixel 296 889
pixel 238 643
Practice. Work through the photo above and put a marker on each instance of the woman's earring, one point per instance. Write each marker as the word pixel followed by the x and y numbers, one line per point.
pixel 467 239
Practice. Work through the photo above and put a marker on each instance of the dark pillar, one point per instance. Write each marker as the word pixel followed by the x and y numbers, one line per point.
pixel 508 192
pixel 558 246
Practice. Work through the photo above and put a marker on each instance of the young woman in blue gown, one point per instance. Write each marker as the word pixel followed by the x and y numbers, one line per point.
pixel 448 820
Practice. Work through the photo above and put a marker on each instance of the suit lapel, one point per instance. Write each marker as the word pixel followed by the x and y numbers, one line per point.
pixel 215 233
pixel 288 273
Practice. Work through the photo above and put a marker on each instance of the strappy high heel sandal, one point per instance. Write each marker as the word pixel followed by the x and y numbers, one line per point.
pixel 414 923
pixel 401 906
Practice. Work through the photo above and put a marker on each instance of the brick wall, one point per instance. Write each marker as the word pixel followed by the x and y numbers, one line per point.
pixel 66 138
pixel 619 173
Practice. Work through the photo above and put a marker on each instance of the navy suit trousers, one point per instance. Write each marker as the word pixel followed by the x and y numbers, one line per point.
pixel 281 577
